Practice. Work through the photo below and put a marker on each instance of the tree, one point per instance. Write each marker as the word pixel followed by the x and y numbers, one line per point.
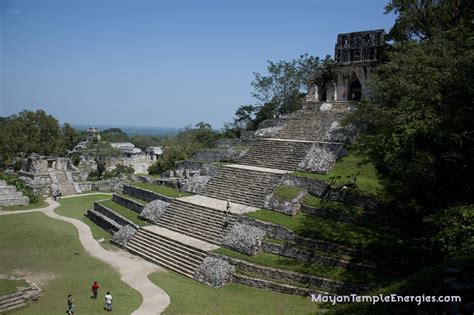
pixel 421 119
pixel 29 132
pixel 285 84
pixel 102 153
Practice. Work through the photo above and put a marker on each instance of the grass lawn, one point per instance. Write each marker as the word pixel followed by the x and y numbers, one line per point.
pixel 76 207
pixel 9 286
pixel 280 262
pixel 353 164
pixel 287 192
pixel 40 204
pixel 49 252
pixel 127 213
pixel 164 190
pixel 191 297
pixel 334 231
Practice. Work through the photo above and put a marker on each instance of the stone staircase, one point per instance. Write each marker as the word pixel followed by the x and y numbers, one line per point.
pixel 12 302
pixel 166 252
pixel 311 123
pixel 63 184
pixel 283 155
pixel 194 220
pixel 244 186
pixel 9 196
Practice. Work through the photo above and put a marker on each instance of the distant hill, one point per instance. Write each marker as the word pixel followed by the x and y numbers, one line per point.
pixel 135 130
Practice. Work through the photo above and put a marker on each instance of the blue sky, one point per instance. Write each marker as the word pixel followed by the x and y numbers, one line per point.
pixel 159 63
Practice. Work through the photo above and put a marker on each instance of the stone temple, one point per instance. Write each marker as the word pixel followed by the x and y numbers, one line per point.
pixel 356 57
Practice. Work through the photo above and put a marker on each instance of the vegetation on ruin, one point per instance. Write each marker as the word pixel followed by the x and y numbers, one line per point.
pixel 280 91
pixel 36 201
pixel 420 118
pixel 184 144
pixel 316 202
pixel 163 190
pixel 333 231
pixel 287 192
pixel 191 297
pixel 355 170
pixel 52 254
pixel 125 212
pixel 10 286
pixel 314 269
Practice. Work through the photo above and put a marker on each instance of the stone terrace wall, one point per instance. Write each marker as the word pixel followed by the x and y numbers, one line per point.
pixel 144 194
pixel 128 203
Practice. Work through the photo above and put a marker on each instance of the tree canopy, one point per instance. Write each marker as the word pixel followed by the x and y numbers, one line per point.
pixel 421 116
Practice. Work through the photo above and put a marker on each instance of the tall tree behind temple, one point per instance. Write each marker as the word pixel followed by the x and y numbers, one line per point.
pixel 421 117
pixel 29 132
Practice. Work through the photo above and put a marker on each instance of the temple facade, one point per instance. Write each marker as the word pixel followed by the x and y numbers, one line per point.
pixel 356 57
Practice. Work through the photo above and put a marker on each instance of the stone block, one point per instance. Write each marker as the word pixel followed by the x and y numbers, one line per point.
pixel 245 239
pixel 214 271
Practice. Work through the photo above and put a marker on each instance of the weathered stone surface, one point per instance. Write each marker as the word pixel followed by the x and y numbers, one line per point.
pixel 269 132
pixel 217 155
pixel 291 251
pixel 103 221
pixel 119 219
pixel 124 235
pixel 144 194
pixel 289 207
pixel 194 183
pixel 214 271
pixel 153 210
pixel 245 239
pixel 269 285
pixel 128 203
pixel 321 157
pixel 106 185
pixel 337 133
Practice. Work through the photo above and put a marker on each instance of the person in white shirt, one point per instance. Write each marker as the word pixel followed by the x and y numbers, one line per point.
pixel 108 302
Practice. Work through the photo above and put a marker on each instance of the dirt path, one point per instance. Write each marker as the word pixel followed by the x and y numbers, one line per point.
pixel 133 271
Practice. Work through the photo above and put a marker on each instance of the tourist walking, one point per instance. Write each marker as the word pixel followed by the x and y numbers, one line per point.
pixel 108 302
pixel 228 206
pixel 95 288
pixel 70 304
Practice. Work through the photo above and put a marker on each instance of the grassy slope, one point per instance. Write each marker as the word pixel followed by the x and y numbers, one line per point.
pixel 40 204
pixel 164 190
pixel 357 164
pixel 9 286
pixel 50 249
pixel 191 297
pixel 127 213
pixel 338 232
pixel 334 205
pixel 280 262
pixel 77 206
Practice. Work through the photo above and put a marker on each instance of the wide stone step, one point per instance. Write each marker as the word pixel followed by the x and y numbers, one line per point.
pixel 191 231
pixel 172 245
pixel 175 243
pixel 143 252
pixel 194 209
pixel 205 222
pixel 181 220
pixel 167 250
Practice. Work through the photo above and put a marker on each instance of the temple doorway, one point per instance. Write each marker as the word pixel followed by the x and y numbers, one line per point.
pixel 355 90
